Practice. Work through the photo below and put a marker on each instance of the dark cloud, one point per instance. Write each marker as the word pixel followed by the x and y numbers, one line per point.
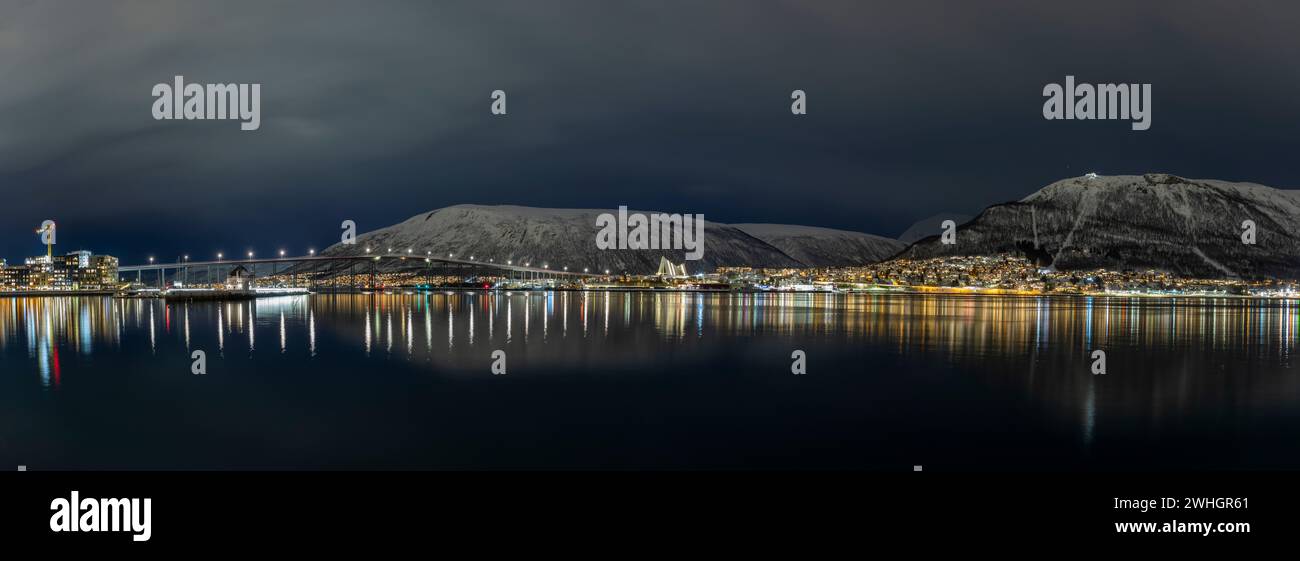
pixel 377 111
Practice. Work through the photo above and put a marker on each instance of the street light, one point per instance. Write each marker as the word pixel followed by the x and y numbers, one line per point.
pixel 281 253
pixel 219 256
pixel 311 252
pixel 151 259
pixel 250 255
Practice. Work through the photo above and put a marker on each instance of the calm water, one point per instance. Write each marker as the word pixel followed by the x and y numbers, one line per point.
pixel 645 380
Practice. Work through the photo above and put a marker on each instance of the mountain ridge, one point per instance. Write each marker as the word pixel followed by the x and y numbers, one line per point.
pixel 565 237
pixel 1152 221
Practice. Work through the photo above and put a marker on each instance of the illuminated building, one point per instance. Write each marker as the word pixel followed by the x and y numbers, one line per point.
pixel 79 270
pixel 14 277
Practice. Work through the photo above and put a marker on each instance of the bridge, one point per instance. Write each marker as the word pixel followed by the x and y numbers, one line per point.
pixel 312 266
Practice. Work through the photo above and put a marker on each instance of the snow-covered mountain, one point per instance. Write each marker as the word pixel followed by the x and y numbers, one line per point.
pixel 562 238
pixel 824 247
pixel 1157 221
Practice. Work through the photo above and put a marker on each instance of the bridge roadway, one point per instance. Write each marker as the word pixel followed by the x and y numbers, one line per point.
pixel 181 265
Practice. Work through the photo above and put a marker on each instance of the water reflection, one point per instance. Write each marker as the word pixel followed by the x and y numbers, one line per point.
pixel 957 327
pixel 1169 360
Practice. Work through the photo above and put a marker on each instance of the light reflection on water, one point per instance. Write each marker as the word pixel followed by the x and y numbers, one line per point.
pixel 1217 362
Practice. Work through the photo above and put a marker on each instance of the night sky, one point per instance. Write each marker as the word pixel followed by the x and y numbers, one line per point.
pixel 376 111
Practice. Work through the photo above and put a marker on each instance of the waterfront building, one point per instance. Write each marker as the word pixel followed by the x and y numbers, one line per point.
pixel 14 277
pixel 79 270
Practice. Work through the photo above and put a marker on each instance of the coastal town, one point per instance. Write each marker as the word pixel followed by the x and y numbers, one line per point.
pixel 83 271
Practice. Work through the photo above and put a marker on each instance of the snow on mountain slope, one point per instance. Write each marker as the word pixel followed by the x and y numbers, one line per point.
pixel 1156 221
pixel 556 238
pixel 566 238
pixel 824 247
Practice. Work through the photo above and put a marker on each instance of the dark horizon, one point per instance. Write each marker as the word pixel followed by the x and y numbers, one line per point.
pixel 378 113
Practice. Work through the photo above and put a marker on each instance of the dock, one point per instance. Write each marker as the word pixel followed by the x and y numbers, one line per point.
pixel 198 294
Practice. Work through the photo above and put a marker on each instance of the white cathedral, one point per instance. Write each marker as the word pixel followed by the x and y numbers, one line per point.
pixel 667 269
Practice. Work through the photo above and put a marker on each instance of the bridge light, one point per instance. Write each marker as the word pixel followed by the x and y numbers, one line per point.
pixel 566 267
pixel 546 266
pixel 450 255
pixel 185 258
pixel 584 269
pixel 250 255
pixel 606 271
pixel 281 253
pixel 219 255
pixel 367 250
pixel 408 250
pixel 510 262
pixel 311 252
pixel 151 260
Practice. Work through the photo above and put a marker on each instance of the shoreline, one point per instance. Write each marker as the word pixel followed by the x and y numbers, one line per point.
pixel 918 291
